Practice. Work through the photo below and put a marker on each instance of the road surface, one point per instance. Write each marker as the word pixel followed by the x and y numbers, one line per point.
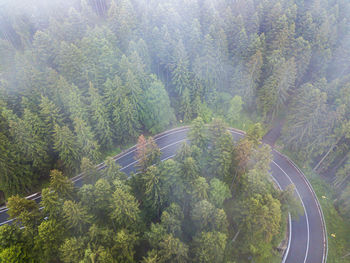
pixel 307 242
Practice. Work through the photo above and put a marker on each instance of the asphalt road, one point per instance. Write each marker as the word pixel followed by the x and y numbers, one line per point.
pixel 307 243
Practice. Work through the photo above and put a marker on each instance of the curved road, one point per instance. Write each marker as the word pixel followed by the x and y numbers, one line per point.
pixel 307 242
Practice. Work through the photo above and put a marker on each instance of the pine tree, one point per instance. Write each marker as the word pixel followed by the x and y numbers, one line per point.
pixel 70 62
pixel 61 184
pixel 14 175
pixel 99 118
pixel 66 145
pixel 76 216
pixel 198 135
pixel 112 171
pixel 157 112
pixel 276 90
pixel 185 106
pixel 113 92
pixel 147 153
pixel 45 48
pixel 125 209
pixel 205 67
pixel 153 190
pixel 24 211
pixel 31 137
pixel 86 141
pixel 122 20
pixel 74 26
pixel 50 235
pixel 172 249
pixel 302 53
pixel 179 69
pixel 72 100
pixel 210 247
pixel 127 120
pixel 52 205
pixel 305 125
pixel 133 89
pixel 195 38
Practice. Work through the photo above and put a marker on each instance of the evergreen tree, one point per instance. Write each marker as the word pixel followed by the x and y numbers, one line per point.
pixel 25 212
pixel 99 118
pixel 50 236
pixel 86 140
pixel 15 176
pixel 158 113
pixel 125 209
pixel 66 146
pixel 147 153
pixel 61 184
pixel 31 139
pixel 205 68
pixel 198 134
pixel 209 247
pixel 126 119
pixel 179 67
pixel 112 171
pixel 51 203
pixel 70 61
pixel 50 114
pixel 76 216
pixel 305 127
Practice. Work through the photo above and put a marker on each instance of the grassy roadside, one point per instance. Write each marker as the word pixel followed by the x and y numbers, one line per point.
pixel 338 227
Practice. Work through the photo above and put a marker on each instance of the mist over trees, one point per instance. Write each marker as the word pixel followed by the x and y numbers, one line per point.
pixel 193 208
pixel 80 77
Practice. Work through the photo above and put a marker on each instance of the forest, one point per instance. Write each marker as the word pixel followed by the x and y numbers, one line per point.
pixel 82 78
pixel 193 208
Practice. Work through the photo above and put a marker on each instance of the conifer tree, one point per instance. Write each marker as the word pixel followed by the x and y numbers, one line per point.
pixel 127 120
pixel 31 138
pixel 157 112
pixel 61 184
pixel 65 144
pixel 179 68
pixel 99 118
pixel 86 141
pixel 76 216
pixel 15 176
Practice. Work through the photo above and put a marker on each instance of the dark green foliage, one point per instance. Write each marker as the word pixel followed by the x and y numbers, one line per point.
pixel 169 211
pixel 66 146
pixel 80 77
pixel 110 70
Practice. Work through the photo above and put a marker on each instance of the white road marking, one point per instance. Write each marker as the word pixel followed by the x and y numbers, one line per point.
pixel 289 223
pixel 320 211
pixel 159 149
pixel 79 176
pixel 156 139
pixel 239 133
pixel 290 239
pixel 6 222
pixel 306 215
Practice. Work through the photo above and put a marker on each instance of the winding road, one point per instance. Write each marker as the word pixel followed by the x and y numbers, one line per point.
pixel 307 239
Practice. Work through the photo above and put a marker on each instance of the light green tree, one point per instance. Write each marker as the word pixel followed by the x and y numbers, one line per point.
pixel 209 247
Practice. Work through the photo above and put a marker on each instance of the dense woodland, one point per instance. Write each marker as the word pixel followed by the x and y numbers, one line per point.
pixel 213 203
pixel 82 77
